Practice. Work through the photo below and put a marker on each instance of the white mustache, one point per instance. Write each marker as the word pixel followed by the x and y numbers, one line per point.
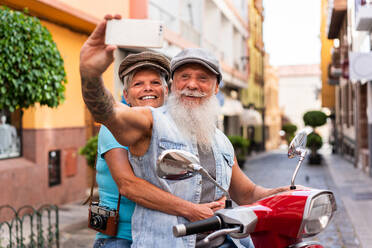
pixel 193 93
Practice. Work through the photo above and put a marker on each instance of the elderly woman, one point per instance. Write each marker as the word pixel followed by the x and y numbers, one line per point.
pixel 145 77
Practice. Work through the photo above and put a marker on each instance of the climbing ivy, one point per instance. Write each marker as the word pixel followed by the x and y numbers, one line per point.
pixel 31 67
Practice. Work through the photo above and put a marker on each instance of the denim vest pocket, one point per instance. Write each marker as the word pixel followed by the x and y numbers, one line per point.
pixel 167 144
pixel 228 158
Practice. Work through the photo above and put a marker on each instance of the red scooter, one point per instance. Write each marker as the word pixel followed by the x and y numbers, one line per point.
pixel 278 221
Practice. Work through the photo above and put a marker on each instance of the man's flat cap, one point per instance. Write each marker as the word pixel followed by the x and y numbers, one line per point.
pixel 147 58
pixel 199 56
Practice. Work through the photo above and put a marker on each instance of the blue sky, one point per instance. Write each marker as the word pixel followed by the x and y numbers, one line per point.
pixel 291 31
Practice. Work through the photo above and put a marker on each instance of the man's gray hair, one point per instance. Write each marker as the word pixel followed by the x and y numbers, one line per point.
pixel 129 77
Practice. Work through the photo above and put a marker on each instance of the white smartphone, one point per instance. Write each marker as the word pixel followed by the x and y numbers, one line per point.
pixel 132 33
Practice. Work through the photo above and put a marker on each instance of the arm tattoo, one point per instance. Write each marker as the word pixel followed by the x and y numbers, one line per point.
pixel 98 99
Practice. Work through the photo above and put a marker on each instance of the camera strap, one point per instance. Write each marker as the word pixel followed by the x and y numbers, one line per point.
pixel 118 207
pixel 90 197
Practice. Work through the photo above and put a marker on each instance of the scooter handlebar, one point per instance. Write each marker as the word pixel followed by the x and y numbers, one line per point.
pixel 210 224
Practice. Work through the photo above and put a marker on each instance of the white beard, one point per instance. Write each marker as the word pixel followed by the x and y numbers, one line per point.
pixel 198 120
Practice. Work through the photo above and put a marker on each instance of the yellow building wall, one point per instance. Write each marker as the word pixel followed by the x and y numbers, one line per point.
pixel 98 8
pixel 328 91
pixel 71 112
pixel 254 92
pixel 272 109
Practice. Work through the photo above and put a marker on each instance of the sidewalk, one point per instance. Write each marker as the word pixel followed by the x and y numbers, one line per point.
pixel 73 216
pixel 73 221
pixel 355 191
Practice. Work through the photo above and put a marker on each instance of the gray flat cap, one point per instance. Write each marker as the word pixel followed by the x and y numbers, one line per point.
pixel 147 58
pixel 199 56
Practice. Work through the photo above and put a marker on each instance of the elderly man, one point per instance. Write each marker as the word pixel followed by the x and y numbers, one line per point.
pixel 186 122
pixel 144 76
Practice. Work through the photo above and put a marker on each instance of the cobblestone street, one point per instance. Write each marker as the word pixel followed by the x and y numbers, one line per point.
pixel 275 169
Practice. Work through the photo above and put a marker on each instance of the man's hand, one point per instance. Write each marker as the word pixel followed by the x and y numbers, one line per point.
pixel 205 210
pixel 95 55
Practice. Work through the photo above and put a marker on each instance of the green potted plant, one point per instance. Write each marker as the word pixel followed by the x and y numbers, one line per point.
pixel 289 130
pixel 32 69
pixel 314 140
pixel 241 146
pixel 89 151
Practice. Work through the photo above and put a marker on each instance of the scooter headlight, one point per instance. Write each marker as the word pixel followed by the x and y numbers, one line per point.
pixel 318 212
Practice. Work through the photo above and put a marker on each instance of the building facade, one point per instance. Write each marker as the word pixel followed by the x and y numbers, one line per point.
pixel 51 138
pixel 254 94
pixel 349 27
pixel 345 136
pixel 49 169
pixel 299 91
pixel 273 113
pixel 360 16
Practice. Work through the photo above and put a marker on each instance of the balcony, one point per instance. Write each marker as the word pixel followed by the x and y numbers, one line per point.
pixel 258 6
pixel 260 46
pixel 333 82
pixel 258 78
pixel 363 18
pixel 334 74
pixel 339 8
pixel 336 56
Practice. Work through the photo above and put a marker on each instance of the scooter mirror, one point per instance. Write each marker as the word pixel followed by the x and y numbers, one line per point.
pixel 176 165
pixel 297 144
pixel 179 165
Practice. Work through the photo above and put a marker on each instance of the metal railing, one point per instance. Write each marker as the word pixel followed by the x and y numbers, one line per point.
pixel 30 227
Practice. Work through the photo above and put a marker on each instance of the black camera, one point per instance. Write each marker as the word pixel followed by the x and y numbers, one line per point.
pixel 103 219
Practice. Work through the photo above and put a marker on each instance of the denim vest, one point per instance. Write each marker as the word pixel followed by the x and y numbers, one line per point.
pixel 152 228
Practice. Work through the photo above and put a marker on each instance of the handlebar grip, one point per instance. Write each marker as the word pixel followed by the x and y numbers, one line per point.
pixel 210 224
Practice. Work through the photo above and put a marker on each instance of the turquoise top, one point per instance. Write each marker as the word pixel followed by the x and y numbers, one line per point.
pixel 107 188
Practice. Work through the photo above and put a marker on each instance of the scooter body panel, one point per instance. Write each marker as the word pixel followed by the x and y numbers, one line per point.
pixel 279 218
pixel 272 239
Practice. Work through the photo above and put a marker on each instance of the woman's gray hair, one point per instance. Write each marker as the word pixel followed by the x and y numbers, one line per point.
pixel 129 77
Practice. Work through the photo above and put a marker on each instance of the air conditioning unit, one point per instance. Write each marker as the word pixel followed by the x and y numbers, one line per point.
pixel 364 18
pixel 360 65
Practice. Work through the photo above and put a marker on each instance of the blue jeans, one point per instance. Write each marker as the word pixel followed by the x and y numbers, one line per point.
pixel 112 243
pixel 246 242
